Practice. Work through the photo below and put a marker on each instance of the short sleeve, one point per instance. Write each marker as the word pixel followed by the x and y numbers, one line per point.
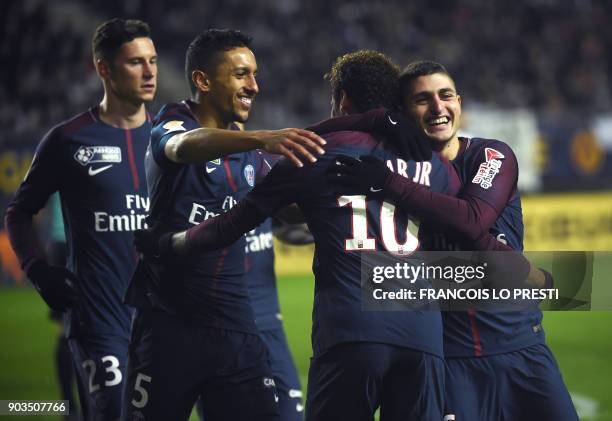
pixel 164 128
pixel 265 162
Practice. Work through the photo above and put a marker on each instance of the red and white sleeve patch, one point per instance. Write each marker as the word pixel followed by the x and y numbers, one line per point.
pixel 488 169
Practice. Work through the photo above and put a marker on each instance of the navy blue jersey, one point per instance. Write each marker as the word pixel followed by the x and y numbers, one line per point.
pixel 260 276
pixel 489 171
pixel 98 172
pixel 259 265
pixel 343 228
pixel 208 288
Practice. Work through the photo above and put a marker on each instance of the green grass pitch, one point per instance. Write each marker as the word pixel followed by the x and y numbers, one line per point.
pixel 581 342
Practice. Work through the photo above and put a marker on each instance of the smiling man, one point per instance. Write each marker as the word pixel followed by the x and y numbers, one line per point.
pixel 434 103
pixel 498 365
pixel 195 331
pixel 94 160
pixel 362 360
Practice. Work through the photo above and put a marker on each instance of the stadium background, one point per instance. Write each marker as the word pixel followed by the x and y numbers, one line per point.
pixel 534 73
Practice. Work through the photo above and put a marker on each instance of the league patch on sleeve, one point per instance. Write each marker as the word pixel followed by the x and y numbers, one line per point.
pixel 488 169
pixel 174 126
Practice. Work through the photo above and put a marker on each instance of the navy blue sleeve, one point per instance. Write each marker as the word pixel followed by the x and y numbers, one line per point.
pixel 44 176
pixel 469 216
pixel 43 179
pixel 164 128
pixel 283 186
pixel 492 175
pixel 265 162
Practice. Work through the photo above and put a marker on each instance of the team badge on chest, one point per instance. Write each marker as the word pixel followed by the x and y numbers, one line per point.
pixel 249 175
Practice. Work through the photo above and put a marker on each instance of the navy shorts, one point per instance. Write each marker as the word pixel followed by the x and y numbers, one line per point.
pixel 521 385
pixel 350 381
pixel 101 366
pixel 173 362
pixel 288 388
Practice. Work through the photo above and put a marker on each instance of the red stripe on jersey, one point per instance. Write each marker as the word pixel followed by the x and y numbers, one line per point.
pixel 230 178
pixel 130 149
pixel 220 262
pixel 475 333
pixel 218 268
pixel 247 265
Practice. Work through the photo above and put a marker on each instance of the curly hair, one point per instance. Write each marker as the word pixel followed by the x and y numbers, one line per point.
pixel 369 78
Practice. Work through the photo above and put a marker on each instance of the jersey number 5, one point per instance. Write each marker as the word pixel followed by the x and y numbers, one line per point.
pixel 360 240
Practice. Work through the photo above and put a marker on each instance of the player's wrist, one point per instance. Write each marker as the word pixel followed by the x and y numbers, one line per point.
pixel 164 246
pixel 258 138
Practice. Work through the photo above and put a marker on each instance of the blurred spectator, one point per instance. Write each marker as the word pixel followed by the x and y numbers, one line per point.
pixel 543 54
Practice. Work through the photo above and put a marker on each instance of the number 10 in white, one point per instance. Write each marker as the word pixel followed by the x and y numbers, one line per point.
pixel 360 240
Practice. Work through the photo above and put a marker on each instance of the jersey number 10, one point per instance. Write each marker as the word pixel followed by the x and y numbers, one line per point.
pixel 360 240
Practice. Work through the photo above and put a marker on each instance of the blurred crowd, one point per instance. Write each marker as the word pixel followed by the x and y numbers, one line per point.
pixel 550 55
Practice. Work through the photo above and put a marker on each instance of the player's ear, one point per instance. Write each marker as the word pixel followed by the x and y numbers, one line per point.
pixel 103 68
pixel 345 103
pixel 201 80
pixel 459 98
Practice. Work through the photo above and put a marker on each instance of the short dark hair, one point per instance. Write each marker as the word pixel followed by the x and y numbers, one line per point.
pixel 112 34
pixel 420 68
pixel 369 78
pixel 203 52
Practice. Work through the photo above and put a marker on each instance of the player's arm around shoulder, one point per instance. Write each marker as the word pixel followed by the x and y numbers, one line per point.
pixel 205 144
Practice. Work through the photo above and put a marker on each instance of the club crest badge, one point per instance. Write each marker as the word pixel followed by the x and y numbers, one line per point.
pixel 249 175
